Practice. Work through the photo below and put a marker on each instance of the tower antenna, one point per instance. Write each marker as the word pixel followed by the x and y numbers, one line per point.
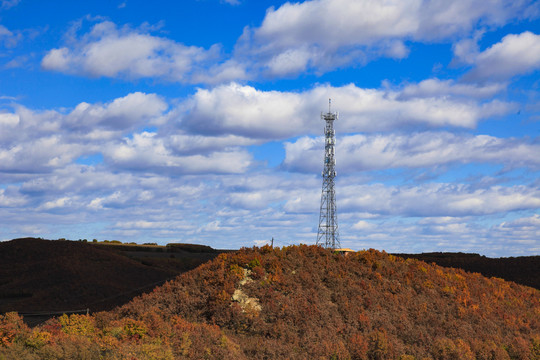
pixel 328 234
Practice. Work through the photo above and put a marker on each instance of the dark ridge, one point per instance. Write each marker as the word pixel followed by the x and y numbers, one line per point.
pixel 194 248
pixel 523 270
pixel 39 275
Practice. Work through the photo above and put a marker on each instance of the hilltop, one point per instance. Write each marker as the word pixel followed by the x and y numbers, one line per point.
pixel 302 302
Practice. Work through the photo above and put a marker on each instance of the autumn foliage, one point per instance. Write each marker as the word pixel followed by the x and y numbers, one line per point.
pixel 300 302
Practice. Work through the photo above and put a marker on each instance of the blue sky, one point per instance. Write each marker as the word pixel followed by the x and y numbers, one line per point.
pixel 199 121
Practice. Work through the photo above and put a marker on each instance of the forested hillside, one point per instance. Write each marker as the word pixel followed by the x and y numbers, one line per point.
pixel 41 277
pixel 301 302
pixel 48 276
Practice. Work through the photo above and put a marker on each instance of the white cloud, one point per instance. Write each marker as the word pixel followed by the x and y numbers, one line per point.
pixel 466 50
pixel 338 23
pixel 192 144
pixel 437 199
pixel 326 34
pixel 226 210
pixel 155 225
pixel 42 155
pixel 417 150
pixel 57 203
pixel 246 111
pixel 128 53
pixel 513 55
pixel 36 142
pixel 522 231
pixel 74 177
pixel 11 198
pixel 532 222
pixel 221 73
pixel 147 152
pixel 519 233
pixel 291 61
pixel 363 225
pixel 121 114
pixel 8 120
pixel 463 234
pixel 317 35
pixel 443 88
pixel 256 199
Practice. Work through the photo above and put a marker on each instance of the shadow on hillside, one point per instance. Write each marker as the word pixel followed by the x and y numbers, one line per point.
pixel 41 278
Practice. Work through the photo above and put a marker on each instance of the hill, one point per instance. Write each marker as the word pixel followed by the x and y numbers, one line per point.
pixel 301 302
pixel 46 276
pixel 522 270
pixel 41 277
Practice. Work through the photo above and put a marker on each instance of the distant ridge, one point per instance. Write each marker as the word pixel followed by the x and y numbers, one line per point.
pixel 523 270
pixel 45 275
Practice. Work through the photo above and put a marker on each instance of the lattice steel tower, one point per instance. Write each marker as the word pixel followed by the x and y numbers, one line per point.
pixel 328 235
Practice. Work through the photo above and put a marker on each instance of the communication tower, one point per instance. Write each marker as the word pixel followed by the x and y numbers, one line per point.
pixel 328 235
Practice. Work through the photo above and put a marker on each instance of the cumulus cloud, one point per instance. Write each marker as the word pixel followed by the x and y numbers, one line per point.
pixel 515 54
pixel 466 50
pixel 363 225
pixel 59 204
pixel 245 111
pixel 221 73
pixel 325 34
pixel 154 225
pixel 37 142
pixel 147 152
pixel 74 177
pixel 11 198
pixel 195 165
pixel 42 155
pixel 8 121
pixel 418 150
pixel 465 234
pixel 119 115
pixel 256 199
pixel 316 35
pixel 264 191
pixel 437 199
pixel 301 195
pixel 525 230
pixel 110 51
pixel 430 88
pixel 187 144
